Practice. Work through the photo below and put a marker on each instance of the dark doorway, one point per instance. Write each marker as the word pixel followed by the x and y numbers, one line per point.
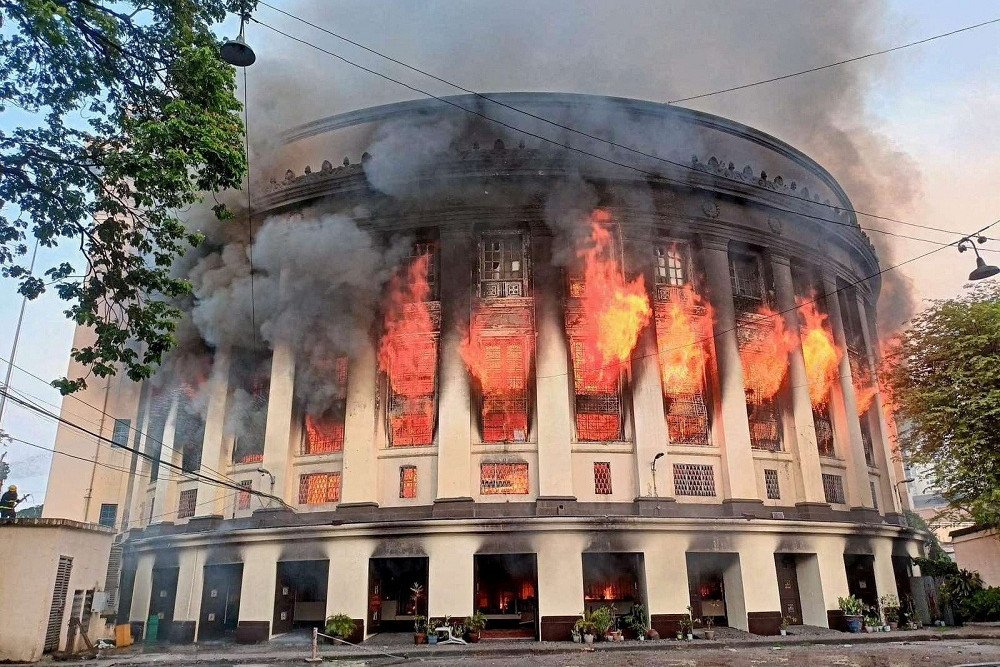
pixel 788 587
pixel 163 598
pixel 613 579
pixel 902 570
pixel 397 591
pixel 220 601
pixel 861 578
pixel 707 587
pixel 300 594
pixel 506 590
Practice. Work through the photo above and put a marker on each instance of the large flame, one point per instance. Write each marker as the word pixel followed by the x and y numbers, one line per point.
pixel 684 334
pixel 765 344
pixel 819 351
pixel 614 310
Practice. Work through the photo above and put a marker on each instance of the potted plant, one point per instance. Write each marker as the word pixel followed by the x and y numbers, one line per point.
pixel 585 627
pixel 854 610
pixel 474 626
pixel 432 625
pixel 652 634
pixel 873 622
pixel 785 622
pixel 890 609
pixel 419 629
pixel 687 625
pixel 340 625
pixel 709 623
pixel 603 619
pixel 636 621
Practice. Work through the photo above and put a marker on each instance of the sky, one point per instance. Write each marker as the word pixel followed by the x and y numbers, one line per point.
pixel 913 134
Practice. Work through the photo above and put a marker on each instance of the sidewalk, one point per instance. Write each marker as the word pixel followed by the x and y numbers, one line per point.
pixel 235 654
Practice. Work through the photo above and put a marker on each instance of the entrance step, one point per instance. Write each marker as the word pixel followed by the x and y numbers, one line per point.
pixel 506 635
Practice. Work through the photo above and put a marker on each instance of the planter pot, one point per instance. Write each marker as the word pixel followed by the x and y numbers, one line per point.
pixel 886 628
pixel 432 639
pixel 472 637
pixel 893 625
pixel 642 638
pixel 576 638
pixel 784 632
pixel 709 634
pixel 680 636
pixel 588 639
pixel 690 636
pixel 419 638
pixel 853 623
pixel 652 634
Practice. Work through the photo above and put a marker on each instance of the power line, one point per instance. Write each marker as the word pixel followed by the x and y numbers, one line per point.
pixel 589 135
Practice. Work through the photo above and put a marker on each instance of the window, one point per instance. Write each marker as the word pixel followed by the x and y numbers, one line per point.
pixel 824 431
pixel 771 484
pixel 874 495
pixel 119 436
pixel 747 280
pixel 319 487
pixel 670 269
pixel 598 398
pixel 186 504
pixel 408 481
pixel 602 478
pixel 833 489
pixel 501 265
pixel 503 478
pixel 429 248
pixel 505 401
pixel 693 479
pixel 323 435
pixel 866 441
pixel 109 515
pixel 243 499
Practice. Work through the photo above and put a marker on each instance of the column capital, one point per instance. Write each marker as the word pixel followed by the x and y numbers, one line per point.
pixel 714 242
pixel 780 258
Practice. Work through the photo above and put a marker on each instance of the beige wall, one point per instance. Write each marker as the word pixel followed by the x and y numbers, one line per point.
pixel 979 551
pixel 29 553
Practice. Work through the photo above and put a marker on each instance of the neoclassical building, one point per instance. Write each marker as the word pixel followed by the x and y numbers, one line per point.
pixel 644 379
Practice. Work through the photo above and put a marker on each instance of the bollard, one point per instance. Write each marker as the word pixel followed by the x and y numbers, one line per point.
pixel 315 648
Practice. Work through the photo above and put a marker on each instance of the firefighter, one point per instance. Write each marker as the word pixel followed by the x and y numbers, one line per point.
pixel 8 502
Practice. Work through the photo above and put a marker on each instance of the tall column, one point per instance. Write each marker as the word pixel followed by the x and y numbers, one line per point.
pixel 187 603
pixel 210 496
pixel 844 412
pixel 278 423
pixel 347 583
pixel 807 451
pixel 553 391
pixel 458 251
pixel 450 575
pixel 257 591
pixel 359 481
pixel 560 581
pixel 166 476
pixel 142 588
pixel 650 421
pixel 738 481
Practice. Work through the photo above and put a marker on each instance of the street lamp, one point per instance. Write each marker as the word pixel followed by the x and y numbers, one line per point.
pixel 899 496
pixel 653 466
pixel 982 270
pixel 237 52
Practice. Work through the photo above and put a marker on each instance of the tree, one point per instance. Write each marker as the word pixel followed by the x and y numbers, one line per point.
pixel 945 382
pixel 131 118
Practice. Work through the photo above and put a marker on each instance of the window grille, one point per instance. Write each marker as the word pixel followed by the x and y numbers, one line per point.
pixel 186 504
pixel 693 479
pixel 243 498
pixel 502 270
pixel 747 281
pixel 833 489
pixel 670 265
pixel 319 487
pixel 765 426
pixel 505 402
pixel 323 435
pixel 109 514
pixel 687 419
pixel 602 478
pixel 408 481
pixel 119 436
pixel 771 484
pixel 824 431
pixel 503 478
pixel 597 403
pixel 430 248
pixel 866 441
pixel 874 495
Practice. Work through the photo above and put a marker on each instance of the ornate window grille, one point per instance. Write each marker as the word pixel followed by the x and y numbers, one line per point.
pixel 243 498
pixel 408 482
pixel 319 487
pixel 602 478
pixel 771 484
pixel 598 407
pixel 186 503
pixel 503 270
pixel 503 478
pixel 694 479
pixel 747 279
pixel 833 489
pixel 505 407
pixel 824 431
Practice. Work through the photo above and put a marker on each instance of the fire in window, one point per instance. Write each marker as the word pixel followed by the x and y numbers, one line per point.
pixel 323 432
pixel 318 488
pixel 824 431
pixel 408 482
pixel 503 478
pixel 670 265
pixel 602 478
pixel 866 441
pixel 246 409
pixel 243 497
pixel 187 501
pixel 408 349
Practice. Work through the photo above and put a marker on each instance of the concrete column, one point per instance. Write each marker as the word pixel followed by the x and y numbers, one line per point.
pixel 666 575
pixel 210 495
pixel 553 393
pixel 810 580
pixel 347 586
pixel 360 481
pixel 844 412
pixel 560 573
pixel 737 458
pixel 736 597
pixel 190 578
pixel 257 588
pixel 166 477
pixel 833 575
pixel 450 576
pixel 142 588
pixel 278 424
pixel 806 450
pixel 458 253
pixel 650 420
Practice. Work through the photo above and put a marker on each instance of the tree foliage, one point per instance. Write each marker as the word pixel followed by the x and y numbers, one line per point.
pixel 131 118
pixel 945 381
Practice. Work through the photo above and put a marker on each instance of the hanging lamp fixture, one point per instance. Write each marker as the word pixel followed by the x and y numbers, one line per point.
pixel 237 52
pixel 982 270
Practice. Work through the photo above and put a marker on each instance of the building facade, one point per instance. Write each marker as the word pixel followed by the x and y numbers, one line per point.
pixel 647 378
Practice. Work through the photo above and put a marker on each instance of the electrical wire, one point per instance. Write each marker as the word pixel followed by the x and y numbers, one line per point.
pixel 615 144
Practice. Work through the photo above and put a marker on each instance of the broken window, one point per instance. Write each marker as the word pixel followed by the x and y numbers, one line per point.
pixel 503 478
pixel 319 487
pixel 502 269
pixel 324 433
pixel 598 399
pixel 246 408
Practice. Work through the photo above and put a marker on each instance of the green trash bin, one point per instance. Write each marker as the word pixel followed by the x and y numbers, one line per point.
pixel 152 628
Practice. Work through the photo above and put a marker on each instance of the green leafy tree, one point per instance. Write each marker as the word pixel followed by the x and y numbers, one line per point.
pixel 945 380
pixel 129 118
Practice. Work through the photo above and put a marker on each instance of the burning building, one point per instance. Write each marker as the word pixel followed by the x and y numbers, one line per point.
pixel 489 371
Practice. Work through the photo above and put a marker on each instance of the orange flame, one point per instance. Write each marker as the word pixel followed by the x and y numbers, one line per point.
pixel 766 343
pixel 865 385
pixel 324 434
pixel 819 351
pixel 501 365
pixel 614 310
pixel 684 333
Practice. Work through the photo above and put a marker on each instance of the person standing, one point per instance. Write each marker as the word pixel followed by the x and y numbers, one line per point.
pixel 8 502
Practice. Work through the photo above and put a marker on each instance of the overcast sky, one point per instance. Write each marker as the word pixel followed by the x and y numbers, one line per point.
pixel 913 134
